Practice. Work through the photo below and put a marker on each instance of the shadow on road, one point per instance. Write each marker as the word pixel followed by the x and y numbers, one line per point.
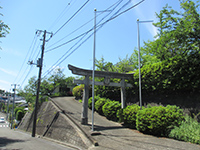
pixel 5 141
pixel 101 128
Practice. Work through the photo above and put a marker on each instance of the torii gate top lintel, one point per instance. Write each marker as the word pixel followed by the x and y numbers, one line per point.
pixel 84 72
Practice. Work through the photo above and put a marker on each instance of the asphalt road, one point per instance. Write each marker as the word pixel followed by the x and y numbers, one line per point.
pixel 13 139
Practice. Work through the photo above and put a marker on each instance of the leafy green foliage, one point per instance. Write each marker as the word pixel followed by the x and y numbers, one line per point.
pixel 159 120
pixel 48 86
pixel 129 115
pixel 173 76
pixel 96 98
pixel 17 109
pixel 78 91
pixel 188 131
pixel 99 104
pixel 178 32
pixel 19 113
pixel 110 109
pixel 4 29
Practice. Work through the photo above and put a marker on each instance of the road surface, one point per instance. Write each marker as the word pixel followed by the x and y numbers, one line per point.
pixel 14 139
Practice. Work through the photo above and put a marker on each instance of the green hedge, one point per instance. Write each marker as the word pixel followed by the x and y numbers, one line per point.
pixel 159 120
pixel 99 104
pixel 20 114
pixel 110 109
pixel 78 91
pixel 96 98
pixel 129 115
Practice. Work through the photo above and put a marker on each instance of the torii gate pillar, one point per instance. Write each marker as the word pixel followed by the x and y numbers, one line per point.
pixel 84 115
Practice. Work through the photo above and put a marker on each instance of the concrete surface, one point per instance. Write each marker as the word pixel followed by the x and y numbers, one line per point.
pixel 114 135
pixel 13 139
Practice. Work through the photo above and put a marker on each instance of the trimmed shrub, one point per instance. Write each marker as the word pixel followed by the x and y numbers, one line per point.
pixel 78 91
pixel 17 109
pixel 188 131
pixel 110 109
pixel 20 114
pixel 129 115
pixel 99 104
pixel 159 120
pixel 90 101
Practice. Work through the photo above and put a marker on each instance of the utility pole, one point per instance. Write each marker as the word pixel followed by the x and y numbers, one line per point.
pixel 39 64
pixel 139 66
pixel 15 85
pixel 8 101
pixel 93 71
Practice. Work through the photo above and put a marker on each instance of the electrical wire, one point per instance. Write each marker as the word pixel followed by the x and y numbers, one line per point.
pixel 83 26
pixel 71 17
pixel 32 44
pixel 60 16
pixel 100 26
pixel 30 59
pixel 31 68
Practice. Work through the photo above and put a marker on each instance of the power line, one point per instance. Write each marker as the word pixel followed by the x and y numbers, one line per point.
pixel 30 58
pixel 83 25
pixel 52 68
pixel 71 17
pixel 61 15
pixel 99 26
pixel 35 51
pixel 32 44
pixel 31 68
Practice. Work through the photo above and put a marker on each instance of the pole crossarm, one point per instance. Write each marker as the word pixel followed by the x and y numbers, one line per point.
pixel 84 72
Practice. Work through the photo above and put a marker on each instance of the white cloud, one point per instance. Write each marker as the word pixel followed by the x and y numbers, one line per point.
pixel 13 52
pixel 5 85
pixel 5 82
pixel 146 13
pixel 8 72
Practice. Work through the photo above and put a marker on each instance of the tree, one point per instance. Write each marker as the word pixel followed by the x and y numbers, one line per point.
pixel 179 32
pixel 4 29
pixel 102 65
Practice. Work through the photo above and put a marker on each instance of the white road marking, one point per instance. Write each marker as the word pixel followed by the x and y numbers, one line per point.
pixel 4 126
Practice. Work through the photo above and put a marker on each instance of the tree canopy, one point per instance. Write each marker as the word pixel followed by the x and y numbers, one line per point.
pixel 4 29
pixel 179 32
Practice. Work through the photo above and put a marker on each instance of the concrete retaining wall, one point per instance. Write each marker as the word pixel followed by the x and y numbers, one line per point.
pixel 52 123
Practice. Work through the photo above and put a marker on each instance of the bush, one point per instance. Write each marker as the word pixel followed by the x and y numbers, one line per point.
pixel 129 115
pixel 90 101
pixel 159 120
pixel 110 109
pixel 99 104
pixel 20 114
pixel 18 108
pixel 78 91
pixel 188 131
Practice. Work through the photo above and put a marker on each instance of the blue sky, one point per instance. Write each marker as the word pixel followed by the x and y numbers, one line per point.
pixel 114 40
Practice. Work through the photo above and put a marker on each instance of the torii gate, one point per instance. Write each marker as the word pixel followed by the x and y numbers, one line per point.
pixel 106 76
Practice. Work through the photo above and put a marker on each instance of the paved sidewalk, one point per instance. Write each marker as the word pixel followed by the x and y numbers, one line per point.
pixel 116 137
pixel 17 140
